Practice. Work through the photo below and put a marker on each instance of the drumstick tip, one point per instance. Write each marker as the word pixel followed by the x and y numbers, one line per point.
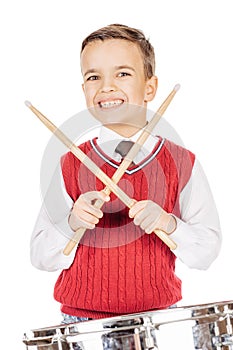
pixel 28 103
pixel 177 87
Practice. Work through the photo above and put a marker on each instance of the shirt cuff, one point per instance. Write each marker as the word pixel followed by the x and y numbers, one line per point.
pixel 197 245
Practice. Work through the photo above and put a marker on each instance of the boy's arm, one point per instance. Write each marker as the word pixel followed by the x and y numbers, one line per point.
pixel 197 234
pixel 52 231
pixel 48 241
pixel 59 217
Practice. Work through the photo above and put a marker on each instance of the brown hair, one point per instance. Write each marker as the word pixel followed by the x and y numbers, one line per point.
pixel 120 31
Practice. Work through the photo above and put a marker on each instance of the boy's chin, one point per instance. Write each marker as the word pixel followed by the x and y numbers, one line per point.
pixel 123 114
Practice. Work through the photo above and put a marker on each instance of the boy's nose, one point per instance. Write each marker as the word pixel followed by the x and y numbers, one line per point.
pixel 108 85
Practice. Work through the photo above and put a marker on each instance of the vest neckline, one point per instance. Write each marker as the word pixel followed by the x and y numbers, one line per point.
pixel 132 168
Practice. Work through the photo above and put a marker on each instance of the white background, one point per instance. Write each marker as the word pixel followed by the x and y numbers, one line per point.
pixel 40 44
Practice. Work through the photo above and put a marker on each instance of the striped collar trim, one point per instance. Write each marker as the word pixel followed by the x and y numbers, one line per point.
pixel 136 167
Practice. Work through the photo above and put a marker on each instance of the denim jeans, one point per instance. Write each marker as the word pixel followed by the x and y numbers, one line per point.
pixel 72 319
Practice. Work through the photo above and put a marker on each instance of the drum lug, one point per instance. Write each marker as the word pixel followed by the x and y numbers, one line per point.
pixel 149 339
pixel 223 340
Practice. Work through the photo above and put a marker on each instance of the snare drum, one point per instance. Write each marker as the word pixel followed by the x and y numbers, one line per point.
pixel 124 332
pixel 203 327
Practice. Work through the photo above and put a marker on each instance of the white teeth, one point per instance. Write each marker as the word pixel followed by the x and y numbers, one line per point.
pixel 109 104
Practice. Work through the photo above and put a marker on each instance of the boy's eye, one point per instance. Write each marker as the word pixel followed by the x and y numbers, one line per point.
pixel 93 77
pixel 123 74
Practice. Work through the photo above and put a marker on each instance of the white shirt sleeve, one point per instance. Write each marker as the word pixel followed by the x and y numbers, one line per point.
pixel 198 235
pixel 52 231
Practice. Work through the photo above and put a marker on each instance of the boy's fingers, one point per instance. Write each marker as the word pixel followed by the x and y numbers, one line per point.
pixel 137 207
pixel 84 209
pixel 88 218
pixel 104 196
pixel 85 203
pixel 89 197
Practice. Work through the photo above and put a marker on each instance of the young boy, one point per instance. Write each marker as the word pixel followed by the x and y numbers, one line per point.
pixel 120 266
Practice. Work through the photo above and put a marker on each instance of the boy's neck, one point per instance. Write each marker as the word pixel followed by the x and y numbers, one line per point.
pixel 125 131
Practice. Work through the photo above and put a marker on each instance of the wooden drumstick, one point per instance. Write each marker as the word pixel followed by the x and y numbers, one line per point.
pixel 125 163
pixel 129 202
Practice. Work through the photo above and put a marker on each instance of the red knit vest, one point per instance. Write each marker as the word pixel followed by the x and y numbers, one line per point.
pixel 118 269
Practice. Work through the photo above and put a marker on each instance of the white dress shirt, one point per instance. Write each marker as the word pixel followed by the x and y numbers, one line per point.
pixel 198 234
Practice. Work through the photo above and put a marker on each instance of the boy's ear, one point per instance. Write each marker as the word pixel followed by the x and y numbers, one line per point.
pixel 151 88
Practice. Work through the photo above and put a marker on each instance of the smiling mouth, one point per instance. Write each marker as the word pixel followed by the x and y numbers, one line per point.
pixel 110 104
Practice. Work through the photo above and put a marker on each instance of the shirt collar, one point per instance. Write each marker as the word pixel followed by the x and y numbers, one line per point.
pixel 109 139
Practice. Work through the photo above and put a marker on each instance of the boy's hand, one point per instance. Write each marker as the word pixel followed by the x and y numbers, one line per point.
pixel 84 214
pixel 150 216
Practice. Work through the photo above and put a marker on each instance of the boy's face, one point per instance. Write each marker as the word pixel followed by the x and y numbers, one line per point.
pixel 114 79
